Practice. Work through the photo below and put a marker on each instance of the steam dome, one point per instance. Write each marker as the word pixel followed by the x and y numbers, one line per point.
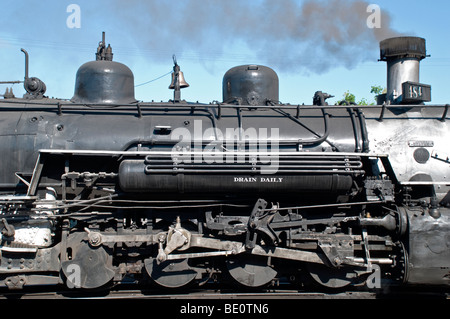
pixel 107 82
pixel 251 85
pixel 104 81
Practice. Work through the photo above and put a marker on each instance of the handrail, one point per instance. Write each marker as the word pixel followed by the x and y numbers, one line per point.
pixel 61 104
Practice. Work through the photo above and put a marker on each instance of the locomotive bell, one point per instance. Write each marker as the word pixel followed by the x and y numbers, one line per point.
pixel 177 77
pixel 181 81
pixel 178 81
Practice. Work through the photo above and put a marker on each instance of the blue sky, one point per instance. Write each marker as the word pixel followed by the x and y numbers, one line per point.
pixel 312 45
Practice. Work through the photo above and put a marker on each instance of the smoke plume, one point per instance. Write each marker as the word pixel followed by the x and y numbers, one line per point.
pixel 307 36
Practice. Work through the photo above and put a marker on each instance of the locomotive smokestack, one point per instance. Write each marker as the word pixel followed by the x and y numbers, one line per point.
pixel 403 56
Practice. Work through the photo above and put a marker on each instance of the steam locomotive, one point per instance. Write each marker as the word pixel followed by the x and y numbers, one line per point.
pixel 103 190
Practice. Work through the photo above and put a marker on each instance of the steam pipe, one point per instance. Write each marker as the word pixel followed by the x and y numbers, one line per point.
pixel 26 63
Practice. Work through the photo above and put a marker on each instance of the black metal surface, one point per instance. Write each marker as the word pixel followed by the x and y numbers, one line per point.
pixel 104 82
pixel 135 176
pixel 416 92
pixel 170 274
pixel 403 47
pixel 102 191
pixel 27 128
pixel 250 85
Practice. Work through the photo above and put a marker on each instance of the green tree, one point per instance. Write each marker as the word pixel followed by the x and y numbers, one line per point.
pixel 377 90
pixel 350 98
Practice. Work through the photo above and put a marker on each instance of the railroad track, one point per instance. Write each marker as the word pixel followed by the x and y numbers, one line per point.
pixel 227 304
pixel 157 294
